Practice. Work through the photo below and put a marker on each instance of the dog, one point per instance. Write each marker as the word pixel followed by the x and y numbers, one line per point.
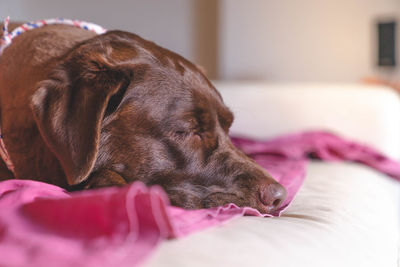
pixel 82 111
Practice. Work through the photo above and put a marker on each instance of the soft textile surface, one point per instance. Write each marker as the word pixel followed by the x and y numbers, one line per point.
pixel 345 214
pixel 266 110
pixel 42 225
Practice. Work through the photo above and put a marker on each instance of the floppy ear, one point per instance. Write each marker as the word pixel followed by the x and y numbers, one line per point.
pixel 69 107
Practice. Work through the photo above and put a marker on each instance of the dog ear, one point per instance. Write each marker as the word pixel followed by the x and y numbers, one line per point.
pixel 69 107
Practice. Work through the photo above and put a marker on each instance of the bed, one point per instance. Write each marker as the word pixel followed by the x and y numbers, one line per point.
pixel 346 214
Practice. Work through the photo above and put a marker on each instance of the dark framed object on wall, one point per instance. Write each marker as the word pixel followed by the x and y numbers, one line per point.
pixel 387 43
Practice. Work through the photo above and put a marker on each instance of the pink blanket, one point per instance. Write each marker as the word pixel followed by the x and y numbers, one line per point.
pixel 42 225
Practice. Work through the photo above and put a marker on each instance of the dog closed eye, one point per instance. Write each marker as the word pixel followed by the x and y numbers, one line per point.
pixel 188 134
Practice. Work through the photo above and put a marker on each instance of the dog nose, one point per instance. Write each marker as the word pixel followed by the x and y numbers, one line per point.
pixel 272 196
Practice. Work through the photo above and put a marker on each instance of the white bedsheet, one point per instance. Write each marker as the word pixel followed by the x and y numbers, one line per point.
pixel 345 215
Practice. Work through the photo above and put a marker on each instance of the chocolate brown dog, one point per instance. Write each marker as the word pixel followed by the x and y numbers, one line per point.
pixel 81 110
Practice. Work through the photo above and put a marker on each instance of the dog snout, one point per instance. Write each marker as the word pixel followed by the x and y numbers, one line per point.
pixel 272 196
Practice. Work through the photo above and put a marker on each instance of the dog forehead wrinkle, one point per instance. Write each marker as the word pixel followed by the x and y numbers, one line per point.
pixel 176 64
pixel 148 53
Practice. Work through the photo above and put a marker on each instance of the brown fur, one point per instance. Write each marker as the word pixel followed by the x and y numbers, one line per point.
pixel 85 111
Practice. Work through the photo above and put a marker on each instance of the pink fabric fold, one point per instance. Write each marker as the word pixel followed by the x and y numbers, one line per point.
pixel 43 225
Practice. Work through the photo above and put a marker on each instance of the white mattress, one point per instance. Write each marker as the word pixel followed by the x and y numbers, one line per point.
pixel 344 215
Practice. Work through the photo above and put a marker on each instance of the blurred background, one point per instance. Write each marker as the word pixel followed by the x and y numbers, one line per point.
pixel 277 41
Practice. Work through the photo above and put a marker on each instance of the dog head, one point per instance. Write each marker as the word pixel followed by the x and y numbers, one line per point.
pixel 125 105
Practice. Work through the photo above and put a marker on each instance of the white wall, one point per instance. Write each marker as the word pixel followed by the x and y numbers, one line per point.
pixel 275 40
pixel 301 40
